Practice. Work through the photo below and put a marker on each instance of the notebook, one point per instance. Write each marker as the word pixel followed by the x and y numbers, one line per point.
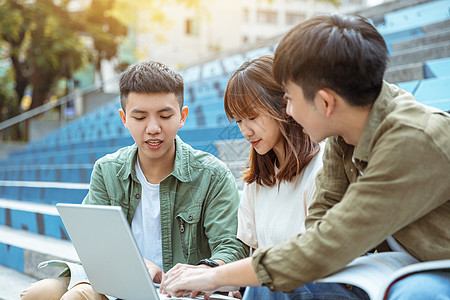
pixel 109 254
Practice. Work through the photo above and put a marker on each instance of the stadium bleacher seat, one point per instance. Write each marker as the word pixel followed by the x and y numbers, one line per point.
pixel 407 23
pixel 437 68
pixel 434 92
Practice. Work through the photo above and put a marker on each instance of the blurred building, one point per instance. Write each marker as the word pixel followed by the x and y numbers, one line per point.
pixel 218 25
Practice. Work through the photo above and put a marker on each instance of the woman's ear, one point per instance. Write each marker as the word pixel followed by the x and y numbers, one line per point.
pixel 184 114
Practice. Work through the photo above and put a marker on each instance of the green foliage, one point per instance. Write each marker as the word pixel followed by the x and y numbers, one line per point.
pixel 44 43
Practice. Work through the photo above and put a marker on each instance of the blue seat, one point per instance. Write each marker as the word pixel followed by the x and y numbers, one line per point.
pixel 59 195
pixel 409 86
pixel 434 92
pixel 54 227
pixel 123 141
pixel 231 63
pixel 81 157
pixel 191 74
pixel 30 174
pixel 9 192
pixel 12 257
pixel 30 194
pixel 407 23
pixel 25 220
pixel 205 135
pixel 13 174
pixel 60 158
pixel 79 174
pixel 212 69
pixel 437 68
pixel 49 225
pixel 70 175
pixel 47 174
pixel 41 159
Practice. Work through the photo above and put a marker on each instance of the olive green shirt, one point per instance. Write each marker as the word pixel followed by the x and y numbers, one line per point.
pixel 395 182
pixel 199 202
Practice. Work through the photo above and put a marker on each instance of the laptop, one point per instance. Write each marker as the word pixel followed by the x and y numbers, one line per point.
pixel 109 254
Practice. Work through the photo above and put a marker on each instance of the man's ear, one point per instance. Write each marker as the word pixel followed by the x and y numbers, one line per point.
pixel 327 101
pixel 184 114
pixel 123 117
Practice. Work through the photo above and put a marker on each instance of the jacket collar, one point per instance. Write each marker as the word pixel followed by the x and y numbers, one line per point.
pixel 180 171
pixel 377 115
pixel 181 168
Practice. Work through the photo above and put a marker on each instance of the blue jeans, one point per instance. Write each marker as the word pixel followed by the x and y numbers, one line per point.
pixel 427 285
pixel 320 291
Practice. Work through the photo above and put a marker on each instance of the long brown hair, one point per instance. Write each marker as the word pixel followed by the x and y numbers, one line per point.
pixel 252 91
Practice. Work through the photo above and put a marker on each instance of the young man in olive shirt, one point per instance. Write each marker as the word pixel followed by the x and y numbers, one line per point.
pixel 181 203
pixel 385 173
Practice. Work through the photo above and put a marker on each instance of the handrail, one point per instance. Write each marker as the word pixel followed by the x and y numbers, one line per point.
pixel 60 101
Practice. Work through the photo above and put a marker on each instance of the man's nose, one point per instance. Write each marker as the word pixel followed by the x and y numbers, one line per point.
pixel 153 127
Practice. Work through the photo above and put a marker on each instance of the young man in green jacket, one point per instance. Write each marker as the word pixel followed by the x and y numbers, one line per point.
pixel 385 170
pixel 181 203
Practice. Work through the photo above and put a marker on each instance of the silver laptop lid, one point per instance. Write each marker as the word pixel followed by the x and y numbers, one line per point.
pixel 106 247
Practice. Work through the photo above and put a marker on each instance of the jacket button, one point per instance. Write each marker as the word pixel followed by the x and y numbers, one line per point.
pixel 190 218
pixel 137 196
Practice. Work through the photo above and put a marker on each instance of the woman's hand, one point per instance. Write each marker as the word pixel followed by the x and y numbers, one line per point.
pixel 155 272
pixel 186 279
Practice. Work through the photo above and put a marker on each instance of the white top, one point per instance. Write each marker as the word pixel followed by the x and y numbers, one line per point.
pixel 268 216
pixel 146 225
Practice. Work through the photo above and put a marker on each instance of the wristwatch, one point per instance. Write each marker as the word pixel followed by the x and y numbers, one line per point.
pixel 208 262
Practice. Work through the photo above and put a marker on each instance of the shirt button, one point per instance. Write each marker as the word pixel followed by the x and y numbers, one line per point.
pixel 190 218
pixel 137 196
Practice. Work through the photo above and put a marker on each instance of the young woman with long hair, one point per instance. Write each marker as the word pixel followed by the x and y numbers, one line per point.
pixel 280 174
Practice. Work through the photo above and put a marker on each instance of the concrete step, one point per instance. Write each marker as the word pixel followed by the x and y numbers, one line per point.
pixel 438 26
pixel 436 68
pixel 23 251
pixel 420 54
pixel 404 73
pixel 442 35
pixel 13 283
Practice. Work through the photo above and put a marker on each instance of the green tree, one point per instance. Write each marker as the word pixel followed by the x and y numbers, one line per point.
pixel 9 106
pixel 45 41
pixel 43 45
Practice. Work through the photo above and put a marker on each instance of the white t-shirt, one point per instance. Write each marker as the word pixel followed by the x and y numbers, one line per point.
pixel 268 216
pixel 146 225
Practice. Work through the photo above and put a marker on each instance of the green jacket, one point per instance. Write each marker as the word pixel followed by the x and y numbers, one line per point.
pixel 394 182
pixel 199 203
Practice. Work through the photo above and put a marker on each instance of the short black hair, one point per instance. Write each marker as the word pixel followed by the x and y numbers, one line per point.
pixel 151 77
pixel 340 52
